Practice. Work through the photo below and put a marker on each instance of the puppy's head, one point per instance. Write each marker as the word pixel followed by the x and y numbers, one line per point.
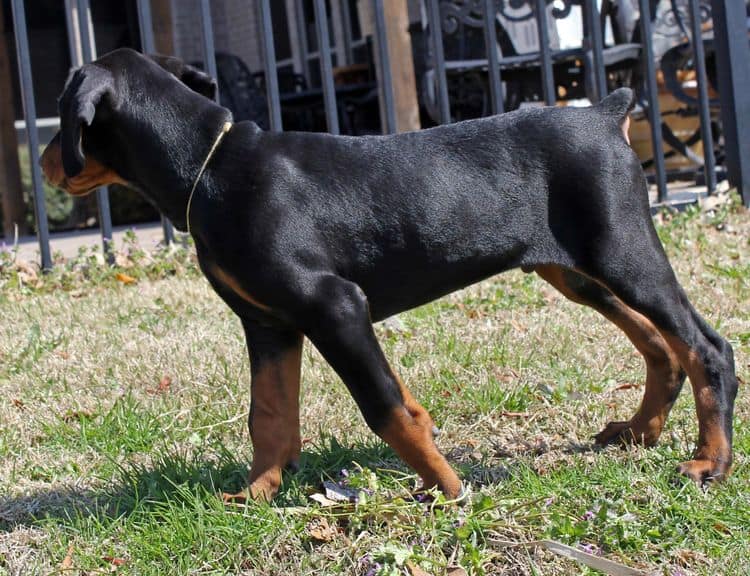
pixel 92 100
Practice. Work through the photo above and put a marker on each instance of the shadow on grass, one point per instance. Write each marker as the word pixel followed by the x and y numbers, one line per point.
pixel 177 475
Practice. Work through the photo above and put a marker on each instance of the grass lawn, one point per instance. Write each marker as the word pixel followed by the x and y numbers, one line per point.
pixel 123 404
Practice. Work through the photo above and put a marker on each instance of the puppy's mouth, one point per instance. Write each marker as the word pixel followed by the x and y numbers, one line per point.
pixel 66 186
pixel 94 174
pixel 73 186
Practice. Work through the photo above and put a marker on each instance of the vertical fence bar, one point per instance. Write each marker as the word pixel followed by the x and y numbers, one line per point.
pixel 88 52
pixel 299 20
pixel 732 57
pixel 386 82
pixel 146 28
pixel 32 138
pixel 709 162
pixel 269 64
pixel 207 34
pixel 84 31
pixel 493 62
pixel 71 26
pixel 326 66
pixel 654 114
pixel 346 16
pixel 436 35
pixel 548 79
pixel 596 44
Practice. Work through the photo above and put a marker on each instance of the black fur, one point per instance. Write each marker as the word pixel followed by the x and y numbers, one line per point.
pixel 83 92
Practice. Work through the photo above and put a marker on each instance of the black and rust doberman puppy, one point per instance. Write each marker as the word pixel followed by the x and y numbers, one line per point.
pixel 319 236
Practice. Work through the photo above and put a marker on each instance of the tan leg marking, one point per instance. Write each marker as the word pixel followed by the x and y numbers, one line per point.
pixel 274 423
pixel 662 367
pixel 713 457
pixel 410 433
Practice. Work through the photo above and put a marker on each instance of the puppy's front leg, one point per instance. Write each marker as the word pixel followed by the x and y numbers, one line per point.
pixel 275 359
pixel 337 321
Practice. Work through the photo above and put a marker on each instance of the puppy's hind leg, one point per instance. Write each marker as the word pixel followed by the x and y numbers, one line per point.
pixel 636 270
pixel 664 377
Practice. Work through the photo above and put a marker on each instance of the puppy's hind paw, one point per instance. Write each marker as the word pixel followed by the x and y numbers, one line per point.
pixel 703 472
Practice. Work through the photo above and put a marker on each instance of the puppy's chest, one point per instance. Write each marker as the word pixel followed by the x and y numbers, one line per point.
pixel 238 294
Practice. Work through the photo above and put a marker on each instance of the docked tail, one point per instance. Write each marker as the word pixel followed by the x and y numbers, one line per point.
pixel 617 106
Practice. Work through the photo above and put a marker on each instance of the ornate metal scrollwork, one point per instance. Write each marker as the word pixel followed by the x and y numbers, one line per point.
pixel 674 21
pixel 567 5
pixel 471 12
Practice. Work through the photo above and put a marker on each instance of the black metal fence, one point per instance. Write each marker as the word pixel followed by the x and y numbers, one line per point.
pixel 508 77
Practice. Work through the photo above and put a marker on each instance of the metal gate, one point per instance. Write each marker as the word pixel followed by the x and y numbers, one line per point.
pixel 730 42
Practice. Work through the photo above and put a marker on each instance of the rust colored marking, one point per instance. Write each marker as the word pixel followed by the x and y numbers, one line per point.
pixel 409 433
pixel 713 444
pixel 231 282
pixel 662 366
pixel 274 421
pixel 93 175
pixel 625 127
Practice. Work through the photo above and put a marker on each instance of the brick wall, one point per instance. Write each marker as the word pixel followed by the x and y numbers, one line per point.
pixel 235 30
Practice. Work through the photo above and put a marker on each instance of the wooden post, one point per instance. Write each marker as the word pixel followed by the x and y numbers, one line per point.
pixel 402 65
pixel 402 62
pixel 161 13
pixel 11 192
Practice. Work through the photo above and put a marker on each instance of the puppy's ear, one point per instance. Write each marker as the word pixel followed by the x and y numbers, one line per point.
pixel 88 89
pixel 197 80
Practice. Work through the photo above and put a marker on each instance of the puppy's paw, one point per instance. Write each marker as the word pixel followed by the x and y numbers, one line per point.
pixel 241 497
pixel 261 490
pixel 428 495
pixel 704 472
pixel 626 433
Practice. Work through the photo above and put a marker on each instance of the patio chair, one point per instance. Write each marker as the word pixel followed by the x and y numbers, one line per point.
pixel 520 66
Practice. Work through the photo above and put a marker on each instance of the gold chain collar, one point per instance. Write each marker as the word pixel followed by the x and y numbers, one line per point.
pixel 224 131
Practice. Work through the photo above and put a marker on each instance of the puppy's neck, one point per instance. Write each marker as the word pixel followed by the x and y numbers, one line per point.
pixel 166 156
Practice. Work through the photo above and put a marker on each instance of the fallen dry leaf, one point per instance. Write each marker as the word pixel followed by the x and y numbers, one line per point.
pixel 74 415
pixel 515 414
pixel 627 386
pixel 721 527
pixel 415 570
pixel 164 385
pixel 19 404
pixel 321 531
pixel 67 562
pixel 125 279
pixel 115 561
pixel 456 571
